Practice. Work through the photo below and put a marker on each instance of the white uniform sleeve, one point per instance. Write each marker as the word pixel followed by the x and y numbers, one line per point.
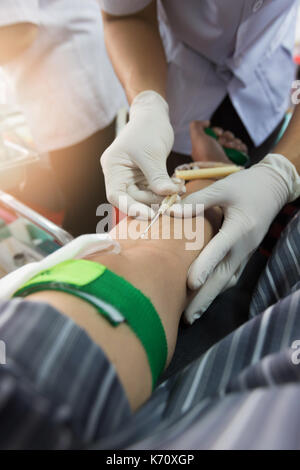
pixel 19 11
pixel 123 7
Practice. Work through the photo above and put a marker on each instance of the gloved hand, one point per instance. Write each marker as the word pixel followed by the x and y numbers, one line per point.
pixel 250 200
pixel 134 165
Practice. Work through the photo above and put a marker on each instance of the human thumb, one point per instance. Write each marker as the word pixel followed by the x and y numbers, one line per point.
pixel 159 180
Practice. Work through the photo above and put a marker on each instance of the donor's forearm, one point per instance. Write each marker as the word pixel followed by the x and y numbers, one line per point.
pixel 156 267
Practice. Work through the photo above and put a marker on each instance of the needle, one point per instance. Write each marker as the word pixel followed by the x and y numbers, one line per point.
pixel 165 205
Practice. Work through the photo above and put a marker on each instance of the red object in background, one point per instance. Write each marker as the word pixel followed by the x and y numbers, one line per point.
pixel 7 216
pixel 55 217
pixel 297 59
pixel 118 216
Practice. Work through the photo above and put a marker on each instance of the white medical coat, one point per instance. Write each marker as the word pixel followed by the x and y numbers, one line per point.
pixel 217 47
pixel 64 82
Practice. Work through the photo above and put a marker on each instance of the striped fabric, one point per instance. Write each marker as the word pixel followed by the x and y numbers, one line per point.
pixel 234 396
pixel 243 393
pixel 282 273
pixel 277 227
pixel 57 388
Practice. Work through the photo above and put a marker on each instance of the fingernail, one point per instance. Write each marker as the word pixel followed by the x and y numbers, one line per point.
pixel 194 317
pixel 206 306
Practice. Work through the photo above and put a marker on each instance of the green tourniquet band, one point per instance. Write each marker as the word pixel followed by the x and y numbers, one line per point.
pixel 236 156
pixel 89 280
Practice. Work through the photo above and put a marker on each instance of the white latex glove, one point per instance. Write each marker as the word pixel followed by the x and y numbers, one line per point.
pixel 134 165
pixel 250 200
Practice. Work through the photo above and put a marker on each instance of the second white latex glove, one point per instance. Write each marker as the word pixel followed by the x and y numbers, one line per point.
pixel 134 165
pixel 250 200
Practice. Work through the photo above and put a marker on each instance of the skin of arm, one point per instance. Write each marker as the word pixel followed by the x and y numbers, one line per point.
pixel 15 39
pixel 289 145
pixel 158 267
pixel 136 51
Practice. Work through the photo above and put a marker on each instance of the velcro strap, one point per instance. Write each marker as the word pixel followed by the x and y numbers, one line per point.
pixel 113 297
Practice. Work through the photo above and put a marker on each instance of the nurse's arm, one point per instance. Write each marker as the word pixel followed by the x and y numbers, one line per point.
pixel 289 145
pixel 15 39
pixel 136 51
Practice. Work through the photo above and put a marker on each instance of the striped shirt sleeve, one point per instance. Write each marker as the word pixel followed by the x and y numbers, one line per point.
pixel 57 387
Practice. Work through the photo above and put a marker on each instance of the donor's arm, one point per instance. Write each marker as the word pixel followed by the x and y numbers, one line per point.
pixel 157 267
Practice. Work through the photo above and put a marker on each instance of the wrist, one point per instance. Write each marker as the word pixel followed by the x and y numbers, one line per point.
pixel 286 170
pixel 149 99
